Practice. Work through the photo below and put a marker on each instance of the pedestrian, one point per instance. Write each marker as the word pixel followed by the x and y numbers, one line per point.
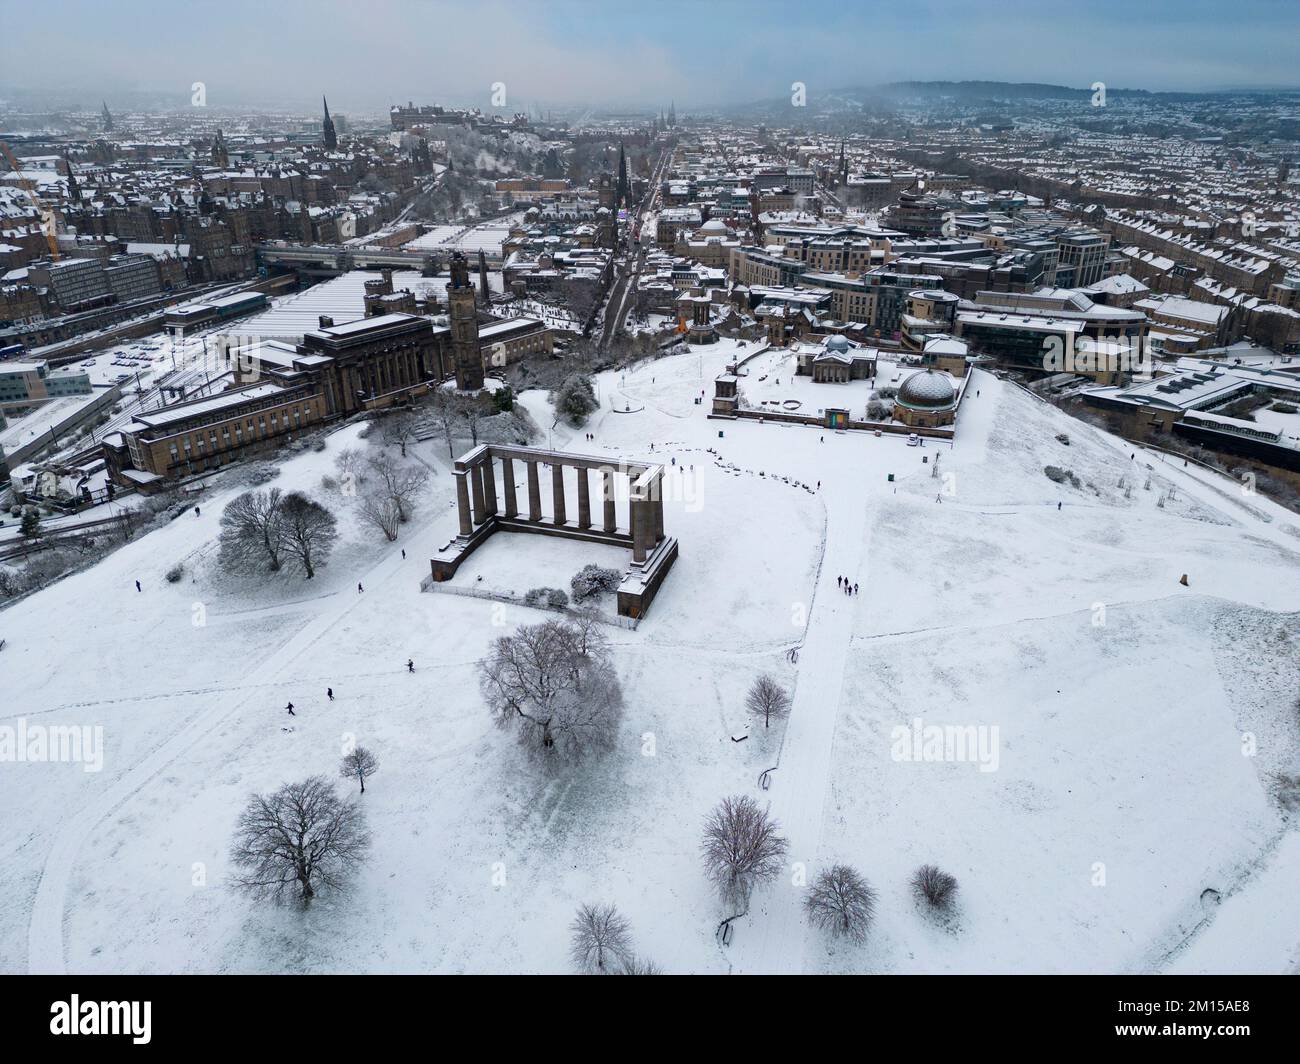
pixel 359 587
pixel 855 589
pixel 839 580
pixel 938 498
pixel 819 485
pixel 823 439
pixel 410 665
pixel 137 586
pixel 403 554
pixel 329 693
pixel 289 707
pixel 1058 504
pixel 977 393
pixel 196 511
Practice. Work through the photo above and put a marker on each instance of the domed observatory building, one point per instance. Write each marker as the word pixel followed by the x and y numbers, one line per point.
pixel 926 400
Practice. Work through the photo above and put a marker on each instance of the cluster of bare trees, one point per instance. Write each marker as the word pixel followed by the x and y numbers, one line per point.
pixel 554 684
pixel 841 901
pixel 601 944
pixel 263 529
pixel 457 412
pixel 743 847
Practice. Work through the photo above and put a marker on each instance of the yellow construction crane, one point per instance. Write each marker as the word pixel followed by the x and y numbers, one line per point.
pixel 48 224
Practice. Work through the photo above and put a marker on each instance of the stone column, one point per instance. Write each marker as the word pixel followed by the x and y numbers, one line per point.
pixel 610 525
pixel 534 493
pixel 657 508
pixel 490 483
pixel 557 491
pixel 476 487
pixel 462 503
pixel 584 498
pixel 640 526
pixel 508 482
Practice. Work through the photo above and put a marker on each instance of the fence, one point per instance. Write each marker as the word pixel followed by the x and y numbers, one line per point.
pixel 446 588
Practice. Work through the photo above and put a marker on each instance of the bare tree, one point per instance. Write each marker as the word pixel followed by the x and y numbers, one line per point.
pixel 382 511
pixel 589 633
pixel 447 405
pixel 351 466
pixel 741 848
pixel 298 842
pixel 359 764
pixel 767 699
pixel 474 410
pixel 842 902
pixel 400 428
pixel 601 942
pixel 401 483
pixel 252 531
pixel 639 966
pixel 309 531
pixel 934 887
pixel 557 688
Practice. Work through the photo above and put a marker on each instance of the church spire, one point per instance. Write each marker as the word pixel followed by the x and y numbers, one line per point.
pixel 330 138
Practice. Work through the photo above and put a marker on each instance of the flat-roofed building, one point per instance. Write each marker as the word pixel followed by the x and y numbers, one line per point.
pixel 203 434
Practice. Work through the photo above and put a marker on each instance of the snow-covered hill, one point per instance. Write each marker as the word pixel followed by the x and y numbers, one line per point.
pixel 1120 744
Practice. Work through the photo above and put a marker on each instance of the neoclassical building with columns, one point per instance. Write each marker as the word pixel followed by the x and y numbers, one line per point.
pixel 488 499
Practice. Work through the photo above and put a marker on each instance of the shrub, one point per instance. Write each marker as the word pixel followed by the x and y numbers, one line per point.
pixel 934 887
pixel 175 573
pixel 546 596
pixel 592 580
pixel 575 399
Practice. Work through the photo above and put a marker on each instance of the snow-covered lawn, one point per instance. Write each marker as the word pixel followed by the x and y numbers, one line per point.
pixel 1119 743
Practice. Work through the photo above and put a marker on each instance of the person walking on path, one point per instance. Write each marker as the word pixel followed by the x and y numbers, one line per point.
pixel 289 707
pixel 359 587
pixel 403 554
pixel 410 665
pixel 329 693
pixel 137 586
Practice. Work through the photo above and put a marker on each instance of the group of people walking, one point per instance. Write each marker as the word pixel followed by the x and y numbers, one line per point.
pixel 329 691
pixel 843 583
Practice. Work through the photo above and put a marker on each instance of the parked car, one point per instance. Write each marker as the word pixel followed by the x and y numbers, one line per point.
pixel 913 440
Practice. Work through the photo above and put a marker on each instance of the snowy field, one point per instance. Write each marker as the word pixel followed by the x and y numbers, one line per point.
pixel 1120 794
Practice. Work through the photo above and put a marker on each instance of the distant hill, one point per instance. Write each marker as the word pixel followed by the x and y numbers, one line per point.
pixel 974 92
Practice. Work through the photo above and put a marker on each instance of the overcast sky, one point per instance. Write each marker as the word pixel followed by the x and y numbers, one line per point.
pixel 370 53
